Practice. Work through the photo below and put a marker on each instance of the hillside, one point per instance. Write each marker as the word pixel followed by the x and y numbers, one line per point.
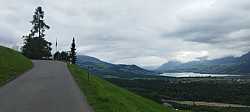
pixel 106 97
pixel 227 65
pixel 12 63
pixel 105 69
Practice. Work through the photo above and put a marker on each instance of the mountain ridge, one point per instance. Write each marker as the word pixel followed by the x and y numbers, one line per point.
pixel 226 65
pixel 98 67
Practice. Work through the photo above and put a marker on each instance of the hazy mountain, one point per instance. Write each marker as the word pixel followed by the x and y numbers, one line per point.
pixel 227 65
pixel 102 68
pixel 150 68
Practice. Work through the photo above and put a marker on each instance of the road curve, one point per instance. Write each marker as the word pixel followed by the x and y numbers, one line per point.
pixel 47 87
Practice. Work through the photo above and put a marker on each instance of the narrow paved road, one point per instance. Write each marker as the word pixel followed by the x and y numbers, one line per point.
pixel 48 87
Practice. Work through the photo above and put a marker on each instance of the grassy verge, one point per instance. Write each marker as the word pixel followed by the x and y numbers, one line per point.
pixel 106 97
pixel 12 63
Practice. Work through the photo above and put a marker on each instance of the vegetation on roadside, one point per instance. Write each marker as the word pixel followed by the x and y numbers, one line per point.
pixel 67 56
pixel 12 63
pixel 106 97
pixel 35 45
pixel 73 52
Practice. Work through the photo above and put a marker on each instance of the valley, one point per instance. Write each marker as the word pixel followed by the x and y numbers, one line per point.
pixel 179 92
pixel 185 91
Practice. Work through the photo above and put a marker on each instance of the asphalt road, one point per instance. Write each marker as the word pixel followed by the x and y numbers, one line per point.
pixel 47 87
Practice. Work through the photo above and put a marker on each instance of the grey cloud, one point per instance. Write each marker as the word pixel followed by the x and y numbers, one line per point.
pixel 215 22
pixel 146 33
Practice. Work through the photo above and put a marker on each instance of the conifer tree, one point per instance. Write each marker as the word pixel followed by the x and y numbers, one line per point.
pixel 35 46
pixel 73 52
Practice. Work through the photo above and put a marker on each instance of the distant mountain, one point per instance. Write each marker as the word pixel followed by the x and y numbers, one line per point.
pixel 227 65
pixel 151 68
pixel 105 69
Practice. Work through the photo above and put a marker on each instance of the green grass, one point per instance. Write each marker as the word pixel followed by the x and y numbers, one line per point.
pixel 12 64
pixel 106 97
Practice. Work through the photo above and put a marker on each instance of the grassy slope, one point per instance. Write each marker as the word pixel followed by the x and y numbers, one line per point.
pixel 106 97
pixel 12 63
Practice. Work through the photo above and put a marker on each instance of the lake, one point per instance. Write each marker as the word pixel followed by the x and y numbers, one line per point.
pixel 190 74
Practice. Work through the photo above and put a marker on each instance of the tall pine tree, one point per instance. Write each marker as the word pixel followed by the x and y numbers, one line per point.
pixel 73 52
pixel 35 46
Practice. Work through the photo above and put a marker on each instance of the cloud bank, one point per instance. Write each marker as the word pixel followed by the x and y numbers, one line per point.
pixel 142 32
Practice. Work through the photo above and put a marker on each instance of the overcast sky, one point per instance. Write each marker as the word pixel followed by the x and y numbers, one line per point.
pixel 141 32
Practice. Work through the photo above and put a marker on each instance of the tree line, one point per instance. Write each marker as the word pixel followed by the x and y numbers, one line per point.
pixel 37 47
pixel 67 56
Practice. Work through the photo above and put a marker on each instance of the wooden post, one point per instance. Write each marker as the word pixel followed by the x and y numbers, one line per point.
pixel 88 72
